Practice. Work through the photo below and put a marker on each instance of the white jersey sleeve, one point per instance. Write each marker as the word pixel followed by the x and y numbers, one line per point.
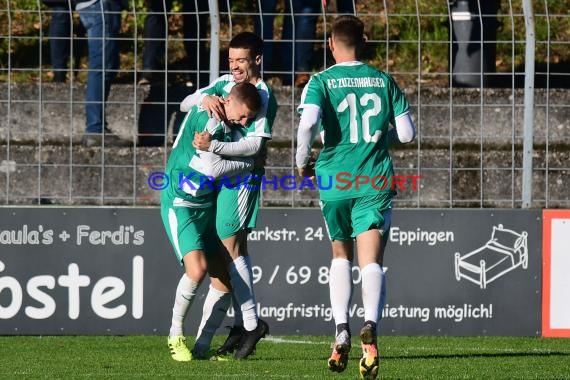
pixel 405 130
pixel 247 146
pixel 214 166
pixel 308 129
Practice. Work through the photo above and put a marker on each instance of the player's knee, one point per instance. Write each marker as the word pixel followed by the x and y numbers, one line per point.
pixel 234 245
pixel 195 265
pixel 220 284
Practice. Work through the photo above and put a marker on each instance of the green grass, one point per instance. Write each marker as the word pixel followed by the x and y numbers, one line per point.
pixel 299 357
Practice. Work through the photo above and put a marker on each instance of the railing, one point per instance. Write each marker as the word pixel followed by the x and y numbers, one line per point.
pixel 492 109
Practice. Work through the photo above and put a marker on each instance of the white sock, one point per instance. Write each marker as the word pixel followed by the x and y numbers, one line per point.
pixel 242 284
pixel 372 280
pixel 214 311
pixel 340 289
pixel 238 318
pixel 185 292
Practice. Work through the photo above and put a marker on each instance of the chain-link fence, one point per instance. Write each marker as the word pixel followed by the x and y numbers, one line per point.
pixel 487 80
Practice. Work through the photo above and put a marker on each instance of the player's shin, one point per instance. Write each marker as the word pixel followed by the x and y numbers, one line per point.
pixel 340 289
pixel 214 311
pixel 372 282
pixel 185 292
pixel 242 284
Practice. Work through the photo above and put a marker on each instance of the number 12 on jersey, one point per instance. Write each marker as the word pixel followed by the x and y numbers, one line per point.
pixel 349 102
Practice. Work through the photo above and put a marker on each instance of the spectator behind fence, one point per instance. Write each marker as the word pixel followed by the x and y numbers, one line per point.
pixel 61 32
pixel 155 34
pixel 102 20
pixel 343 6
pixel 305 13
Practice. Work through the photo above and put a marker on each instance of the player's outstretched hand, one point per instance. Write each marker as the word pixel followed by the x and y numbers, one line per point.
pixel 214 105
pixel 202 140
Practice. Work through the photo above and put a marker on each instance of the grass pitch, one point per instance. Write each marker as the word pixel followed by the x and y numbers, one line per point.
pixel 297 357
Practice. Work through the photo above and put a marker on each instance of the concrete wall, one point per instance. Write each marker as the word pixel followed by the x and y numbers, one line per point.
pixel 41 156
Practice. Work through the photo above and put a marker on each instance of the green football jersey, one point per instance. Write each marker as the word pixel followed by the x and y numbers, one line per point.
pixel 263 124
pixel 185 161
pixel 357 102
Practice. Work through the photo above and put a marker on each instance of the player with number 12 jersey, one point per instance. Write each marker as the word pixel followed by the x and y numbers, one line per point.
pixel 346 90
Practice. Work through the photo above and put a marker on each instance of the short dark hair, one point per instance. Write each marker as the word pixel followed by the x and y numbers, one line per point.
pixel 247 94
pixel 349 31
pixel 248 40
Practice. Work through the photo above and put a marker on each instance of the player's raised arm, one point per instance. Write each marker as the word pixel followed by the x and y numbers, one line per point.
pixel 208 97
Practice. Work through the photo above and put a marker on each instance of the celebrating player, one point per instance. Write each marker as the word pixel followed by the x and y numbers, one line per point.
pixel 355 104
pixel 238 206
pixel 188 203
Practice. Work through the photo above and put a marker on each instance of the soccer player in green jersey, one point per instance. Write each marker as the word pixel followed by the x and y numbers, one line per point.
pixel 355 104
pixel 237 207
pixel 188 202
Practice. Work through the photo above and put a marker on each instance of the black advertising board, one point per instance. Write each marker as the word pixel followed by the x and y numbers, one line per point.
pixel 112 271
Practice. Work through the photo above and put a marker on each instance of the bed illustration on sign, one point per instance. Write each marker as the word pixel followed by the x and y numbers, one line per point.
pixel 504 251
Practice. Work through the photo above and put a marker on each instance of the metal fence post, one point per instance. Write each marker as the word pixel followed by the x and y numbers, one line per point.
pixel 214 39
pixel 528 104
